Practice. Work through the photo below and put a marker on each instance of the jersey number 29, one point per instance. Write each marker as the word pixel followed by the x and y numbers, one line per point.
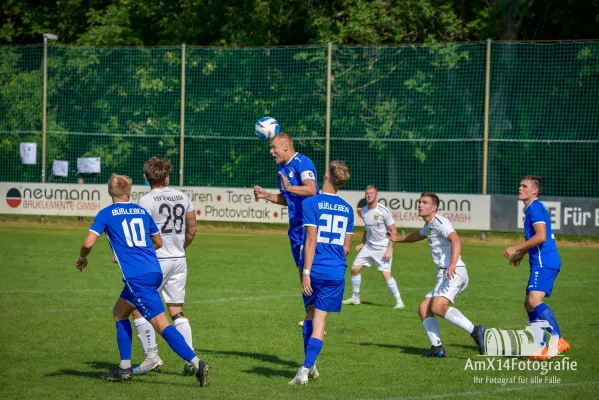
pixel 335 224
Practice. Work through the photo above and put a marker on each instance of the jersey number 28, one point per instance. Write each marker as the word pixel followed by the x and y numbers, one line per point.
pixel 177 214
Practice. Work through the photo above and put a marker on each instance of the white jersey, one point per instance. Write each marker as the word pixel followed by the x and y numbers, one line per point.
pixel 437 232
pixel 376 221
pixel 168 208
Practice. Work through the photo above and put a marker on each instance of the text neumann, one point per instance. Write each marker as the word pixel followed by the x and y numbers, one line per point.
pixel 61 194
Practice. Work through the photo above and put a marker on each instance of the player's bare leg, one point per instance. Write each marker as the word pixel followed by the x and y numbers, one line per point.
pixel 313 331
pixel 147 339
pixel 121 311
pixel 176 341
pixel 392 284
pixel 356 281
pixel 442 307
pixel 556 344
pixel 182 325
pixel 431 327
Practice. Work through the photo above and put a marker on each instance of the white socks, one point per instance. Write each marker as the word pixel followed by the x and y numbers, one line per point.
pixel 125 364
pixel 356 281
pixel 432 330
pixel 182 325
pixel 454 316
pixel 394 290
pixel 147 337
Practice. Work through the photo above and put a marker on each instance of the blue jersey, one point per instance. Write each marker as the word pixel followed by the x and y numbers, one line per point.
pixel 128 228
pixel 333 219
pixel 544 255
pixel 296 170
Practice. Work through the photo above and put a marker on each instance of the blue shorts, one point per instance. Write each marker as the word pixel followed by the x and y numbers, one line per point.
pixel 327 295
pixel 541 280
pixel 296 239
pixel 297 249
pixel 142 293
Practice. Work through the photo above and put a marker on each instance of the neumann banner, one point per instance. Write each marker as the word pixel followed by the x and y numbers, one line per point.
pixel 232 204
pixel 569 215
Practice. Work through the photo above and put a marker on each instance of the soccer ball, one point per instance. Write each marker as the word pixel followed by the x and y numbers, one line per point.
pixel 267 128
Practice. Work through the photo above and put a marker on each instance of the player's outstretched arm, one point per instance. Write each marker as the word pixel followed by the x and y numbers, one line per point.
pixel 347 243
pixel 389 252
pixel 86 248
pixel 191 226
pixel 260 193
pixel 309 251
pixel 409 238
pixel 538 238
pixel 156 240
pixel 364 236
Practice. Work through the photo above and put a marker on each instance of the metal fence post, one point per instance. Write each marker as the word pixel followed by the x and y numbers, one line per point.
pixel 182 118
pixel 486 121
pixel 327 157
pixel 44 104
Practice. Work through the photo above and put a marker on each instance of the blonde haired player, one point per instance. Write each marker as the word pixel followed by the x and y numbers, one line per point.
pixel 375 248
pixel 175 216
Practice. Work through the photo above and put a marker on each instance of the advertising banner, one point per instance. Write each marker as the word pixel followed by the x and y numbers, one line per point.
pixel 232 204
pixel 569 215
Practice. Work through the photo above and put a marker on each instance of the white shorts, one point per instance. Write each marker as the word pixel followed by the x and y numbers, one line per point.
pixel 450 288
pixel 174 278
pixel 368 256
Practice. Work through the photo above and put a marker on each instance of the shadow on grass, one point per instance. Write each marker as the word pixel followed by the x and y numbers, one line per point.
pixel 100 367
pixel 256 356
pixel 370 303
pixel 404 349
pixel 270 372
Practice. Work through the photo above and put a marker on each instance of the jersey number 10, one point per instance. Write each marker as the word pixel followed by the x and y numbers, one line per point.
pixel 131 235
pixel 335 224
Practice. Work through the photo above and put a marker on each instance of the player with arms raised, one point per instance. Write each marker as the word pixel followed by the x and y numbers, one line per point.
pixel 329 224
pixel 175 216
pixel 452 277
pixel 133 237
pixel 297 181
pixel 375 248
pixel 545 264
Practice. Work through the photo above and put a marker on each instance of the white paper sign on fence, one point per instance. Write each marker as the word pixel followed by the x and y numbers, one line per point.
pixel 88 165
pixel 28 153
pixel 60 168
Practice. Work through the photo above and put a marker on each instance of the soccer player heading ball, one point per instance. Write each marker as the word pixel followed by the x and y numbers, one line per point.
pixel 297 181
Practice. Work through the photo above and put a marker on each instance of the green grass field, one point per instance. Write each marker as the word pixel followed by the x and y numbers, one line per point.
pixel 243 302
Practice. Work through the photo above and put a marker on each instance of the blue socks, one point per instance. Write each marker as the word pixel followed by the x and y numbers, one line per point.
pixel 312 351
pixel 123 338
pixel 307 331
pixel 544 313
pixel 177 342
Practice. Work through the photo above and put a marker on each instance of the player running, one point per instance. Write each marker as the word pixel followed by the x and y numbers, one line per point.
pixel 133 237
